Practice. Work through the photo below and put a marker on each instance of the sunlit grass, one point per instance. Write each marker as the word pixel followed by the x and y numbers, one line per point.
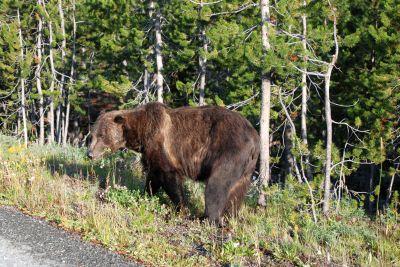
pixel 61 185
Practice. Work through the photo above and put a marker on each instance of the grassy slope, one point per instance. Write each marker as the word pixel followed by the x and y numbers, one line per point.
pixel 61 186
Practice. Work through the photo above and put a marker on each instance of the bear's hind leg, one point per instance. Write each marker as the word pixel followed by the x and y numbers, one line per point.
pixel 228 184
pixel 218 186
pixel 236 196
pixel 238 191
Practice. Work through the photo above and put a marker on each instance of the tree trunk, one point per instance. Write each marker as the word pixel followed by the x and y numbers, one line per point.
pixel 60 115
pixel 390 189
pixel 287 153
pixel 148 76
pixel 304 96
pixel 51 137
pixel 71 77
pixel 159 59
pixel 23 108
pixel 18 127
pixel 202 60
pixel 157 50
pixel 371 188
pixel 328 118
pixel 146 85
pixel 328 162
pixel 38 76
pixel 202 65
pixel 290 130
pixel 265 105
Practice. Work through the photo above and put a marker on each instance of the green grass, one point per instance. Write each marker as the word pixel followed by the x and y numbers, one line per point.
pixel 62 186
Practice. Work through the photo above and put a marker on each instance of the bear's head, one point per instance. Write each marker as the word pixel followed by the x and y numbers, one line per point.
pixel 126 129
pixel 107 134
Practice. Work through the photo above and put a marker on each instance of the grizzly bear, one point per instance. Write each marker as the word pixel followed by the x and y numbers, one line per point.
pixel 210 144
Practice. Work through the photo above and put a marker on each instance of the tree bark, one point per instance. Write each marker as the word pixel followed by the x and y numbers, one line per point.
pixel 146 84
pixel 23 100
pixel 290 130
pixel 60 115
pixel 371 187
pixel 71 77
pixel 390 189
pixel 328 118
pixel 328 161
pixel 51 136
pixel 157 50
pixel 265 105
pixel 287 154
pixel 304 97
pixel 202 60
pixel 38 76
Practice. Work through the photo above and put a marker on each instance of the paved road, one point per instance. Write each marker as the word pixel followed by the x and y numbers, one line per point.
pixel 26 241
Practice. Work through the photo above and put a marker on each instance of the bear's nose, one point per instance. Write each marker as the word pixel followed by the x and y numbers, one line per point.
pixel 90 154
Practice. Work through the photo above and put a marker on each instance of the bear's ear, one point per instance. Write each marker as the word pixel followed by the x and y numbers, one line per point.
pixel 119 119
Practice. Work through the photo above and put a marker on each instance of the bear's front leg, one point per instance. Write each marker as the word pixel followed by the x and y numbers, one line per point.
pixel 173 186
pixel 152 185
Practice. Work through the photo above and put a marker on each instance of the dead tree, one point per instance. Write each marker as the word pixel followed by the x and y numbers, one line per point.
pixel 22 80
pixel 38 59
pixel 71 78
pixel 265 104
pixel 304 95
pixel 328 118
pixel 156 21
pixel 390 189
pixel 51 137
pixel 60 114
pixel 289 141
pixel 202 59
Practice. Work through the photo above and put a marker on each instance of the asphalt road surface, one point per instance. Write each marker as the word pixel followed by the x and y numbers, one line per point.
pixel 26 241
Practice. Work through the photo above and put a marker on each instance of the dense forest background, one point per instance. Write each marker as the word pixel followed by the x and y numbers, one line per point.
pixel 319 79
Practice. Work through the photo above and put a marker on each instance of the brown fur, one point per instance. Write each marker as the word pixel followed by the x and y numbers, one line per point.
pixel 209 144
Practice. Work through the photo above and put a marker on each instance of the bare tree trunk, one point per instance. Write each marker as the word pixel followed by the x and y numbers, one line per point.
pixel 371 187
pixel 146 85
pixel 328 162
pixel 328 118
pixel 265 105
pixel 37 76
pixel 71 78
pixel 60 113
pixel 18 127
pixel 290 130
pixel 202 61
pixel 23 100
pixel 5 124
pixel 390 189
pixel 51 137
pixel 304 96
pixel 157 50
pixel 202 65
pixel 287 153
pixel 148 76
pixel 159 60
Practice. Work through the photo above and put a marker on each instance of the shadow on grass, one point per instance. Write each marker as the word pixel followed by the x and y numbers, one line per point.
pixel 114 171
pixel 124 169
